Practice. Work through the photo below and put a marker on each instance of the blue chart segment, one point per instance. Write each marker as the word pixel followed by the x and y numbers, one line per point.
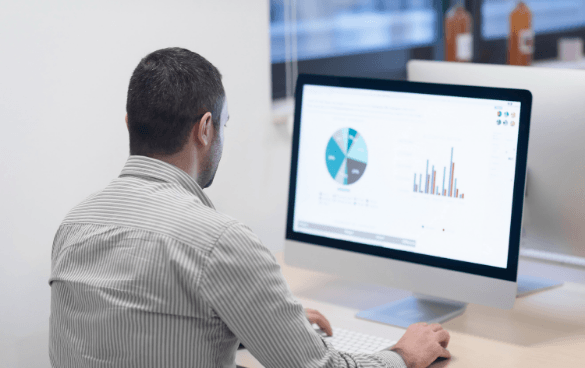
pixel 346 156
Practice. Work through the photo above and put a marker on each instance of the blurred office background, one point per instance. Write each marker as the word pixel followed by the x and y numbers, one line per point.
pixel 65 68
pixel 375 38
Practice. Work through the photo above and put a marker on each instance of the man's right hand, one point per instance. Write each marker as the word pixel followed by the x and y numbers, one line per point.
pixel 422 344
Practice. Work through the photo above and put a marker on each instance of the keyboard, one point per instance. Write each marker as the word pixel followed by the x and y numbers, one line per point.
pixel 355 342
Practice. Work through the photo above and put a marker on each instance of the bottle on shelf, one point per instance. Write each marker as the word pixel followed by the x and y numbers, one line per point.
pixel 458 33
pixel 521 36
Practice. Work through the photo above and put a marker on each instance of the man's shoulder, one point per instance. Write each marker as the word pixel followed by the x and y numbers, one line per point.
pixel 163 208
pixel 239 239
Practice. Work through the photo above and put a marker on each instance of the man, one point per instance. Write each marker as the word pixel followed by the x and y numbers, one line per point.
pixel 146 273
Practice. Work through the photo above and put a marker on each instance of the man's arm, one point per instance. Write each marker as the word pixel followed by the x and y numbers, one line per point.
pixel 245 287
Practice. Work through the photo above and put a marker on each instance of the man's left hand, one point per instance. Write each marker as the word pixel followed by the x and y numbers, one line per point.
pixel 316 317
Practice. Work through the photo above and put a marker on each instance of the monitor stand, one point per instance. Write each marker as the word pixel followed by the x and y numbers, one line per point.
pixel 532 284
pixel 416 308
pixel 422 308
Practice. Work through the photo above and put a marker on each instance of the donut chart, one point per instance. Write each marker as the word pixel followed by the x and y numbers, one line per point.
pixel 346 156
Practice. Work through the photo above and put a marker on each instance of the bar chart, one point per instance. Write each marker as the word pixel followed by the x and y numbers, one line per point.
pixel 429 183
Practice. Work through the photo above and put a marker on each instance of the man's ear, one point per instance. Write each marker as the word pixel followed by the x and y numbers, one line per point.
pixel 204 129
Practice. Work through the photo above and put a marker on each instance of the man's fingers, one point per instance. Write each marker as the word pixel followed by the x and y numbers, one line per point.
pixel 444 338
pixel 324 324
pixel 445 353
pixel 436 327
pixel 316 317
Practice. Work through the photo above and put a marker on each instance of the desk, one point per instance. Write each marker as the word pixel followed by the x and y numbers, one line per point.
pixel 545 329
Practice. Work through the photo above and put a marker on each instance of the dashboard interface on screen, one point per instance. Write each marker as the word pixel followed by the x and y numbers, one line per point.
pixel 419 173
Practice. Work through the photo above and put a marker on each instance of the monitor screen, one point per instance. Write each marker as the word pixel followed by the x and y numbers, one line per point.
pixel 422 173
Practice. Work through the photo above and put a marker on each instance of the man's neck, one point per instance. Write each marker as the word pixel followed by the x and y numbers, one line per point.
pixel 184 160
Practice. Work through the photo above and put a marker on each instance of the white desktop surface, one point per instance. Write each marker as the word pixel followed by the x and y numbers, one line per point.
pixel 542 330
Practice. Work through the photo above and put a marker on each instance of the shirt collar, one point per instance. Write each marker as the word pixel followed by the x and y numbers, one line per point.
pixel 142 166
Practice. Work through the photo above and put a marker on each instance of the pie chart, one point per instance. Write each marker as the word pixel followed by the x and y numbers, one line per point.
pixel 346 156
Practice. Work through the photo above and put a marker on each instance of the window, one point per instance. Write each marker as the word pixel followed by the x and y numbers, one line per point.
pixel 365 38
pixel 376 38
pixel 326 28
pixel 547 16
pixel 551 20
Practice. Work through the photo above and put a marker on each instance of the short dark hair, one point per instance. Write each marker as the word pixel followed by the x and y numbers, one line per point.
pixel 169 92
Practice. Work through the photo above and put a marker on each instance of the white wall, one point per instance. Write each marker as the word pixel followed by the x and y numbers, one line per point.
pixel 64 72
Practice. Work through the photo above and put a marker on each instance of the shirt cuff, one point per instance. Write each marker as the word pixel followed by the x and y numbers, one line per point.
pixel 391 358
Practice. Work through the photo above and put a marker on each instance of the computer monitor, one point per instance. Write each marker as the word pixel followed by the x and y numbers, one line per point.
pixel 554 207
pixel 412 185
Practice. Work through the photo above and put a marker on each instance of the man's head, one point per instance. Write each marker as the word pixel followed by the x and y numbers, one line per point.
pixel 177 107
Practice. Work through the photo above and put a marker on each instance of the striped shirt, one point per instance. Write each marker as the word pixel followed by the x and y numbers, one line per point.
pixel 146 273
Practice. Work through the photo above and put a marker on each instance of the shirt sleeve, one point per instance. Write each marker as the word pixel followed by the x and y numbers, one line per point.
pixel 244 285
